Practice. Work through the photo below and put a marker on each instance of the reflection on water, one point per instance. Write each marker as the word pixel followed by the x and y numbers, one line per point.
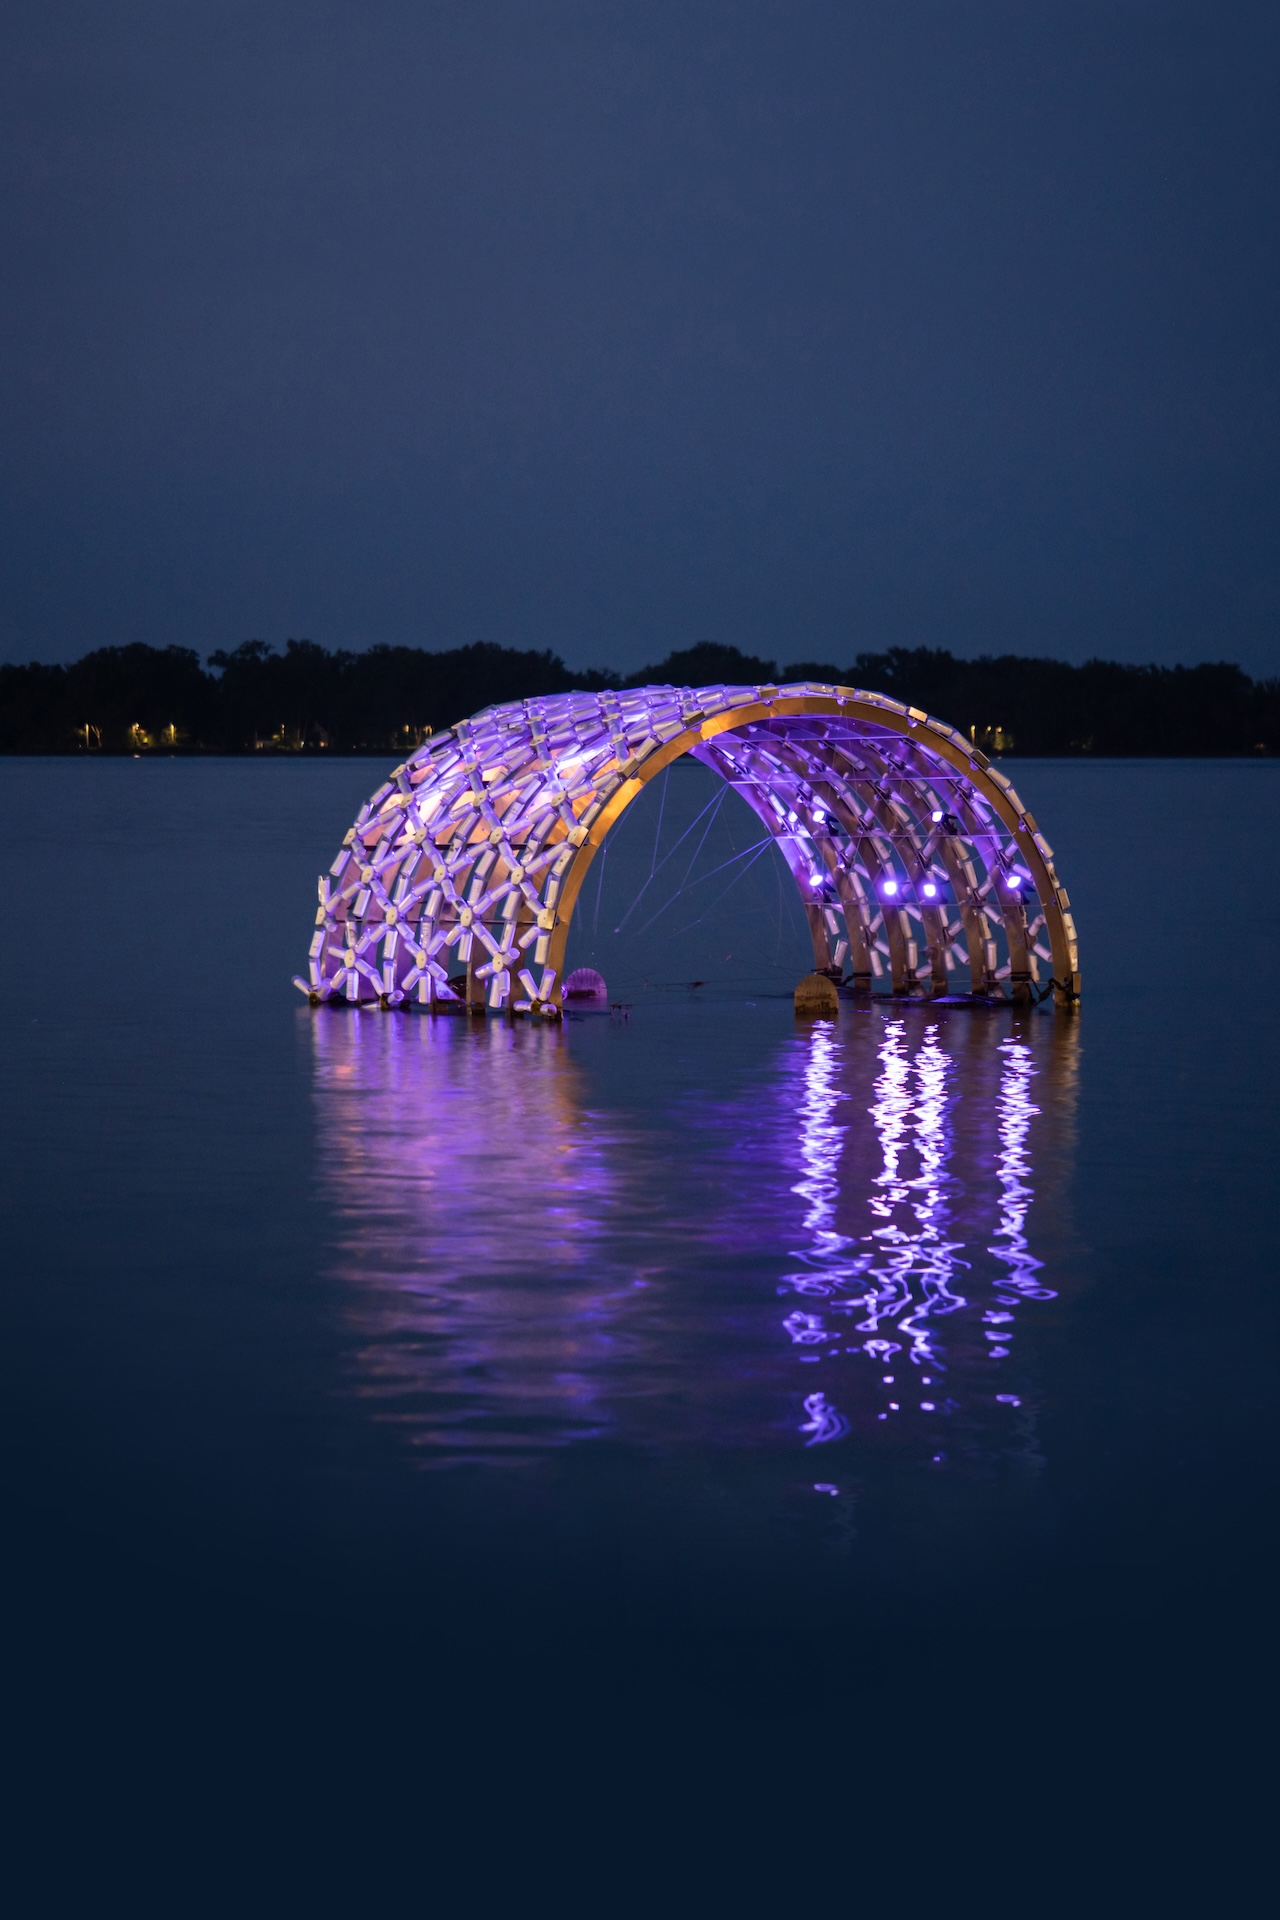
pixel 833 1250
pixel 473 1193
pixel 922 1297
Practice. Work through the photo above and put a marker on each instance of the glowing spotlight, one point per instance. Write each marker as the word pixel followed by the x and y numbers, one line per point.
pixel 1014 882
pixel 930 891
pixel 890 887
pixel 937 818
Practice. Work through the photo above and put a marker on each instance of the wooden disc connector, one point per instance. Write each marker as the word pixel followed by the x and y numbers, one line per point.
pixel 920 870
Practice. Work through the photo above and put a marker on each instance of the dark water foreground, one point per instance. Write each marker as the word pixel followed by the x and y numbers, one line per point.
pixel 910 1379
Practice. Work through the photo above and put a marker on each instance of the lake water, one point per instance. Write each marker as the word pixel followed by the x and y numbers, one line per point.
pixel 693 1340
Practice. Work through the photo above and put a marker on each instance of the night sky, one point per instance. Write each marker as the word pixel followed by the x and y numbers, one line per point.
pixel 809 326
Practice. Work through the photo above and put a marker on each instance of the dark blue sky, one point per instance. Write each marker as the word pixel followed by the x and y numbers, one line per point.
pixel 807 325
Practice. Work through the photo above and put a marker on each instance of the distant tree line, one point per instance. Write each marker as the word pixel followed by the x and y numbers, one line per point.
pixel 140 699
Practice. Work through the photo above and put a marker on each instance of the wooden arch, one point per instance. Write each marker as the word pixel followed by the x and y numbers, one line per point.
pixel 920 869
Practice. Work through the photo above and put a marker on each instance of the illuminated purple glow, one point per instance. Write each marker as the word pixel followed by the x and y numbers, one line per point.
pixel 474 852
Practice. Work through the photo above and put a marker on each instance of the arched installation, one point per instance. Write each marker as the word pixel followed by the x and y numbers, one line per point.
pixel 920 870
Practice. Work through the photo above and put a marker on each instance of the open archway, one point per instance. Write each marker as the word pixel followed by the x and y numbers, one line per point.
pixel 920 870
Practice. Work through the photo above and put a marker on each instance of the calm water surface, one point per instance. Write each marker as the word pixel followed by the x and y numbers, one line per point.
pixel 692 1329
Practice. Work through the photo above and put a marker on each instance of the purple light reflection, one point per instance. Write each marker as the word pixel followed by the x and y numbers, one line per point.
pixel 483 1330
pixel 824 1423
pixel 528 1268
pixel 909 1284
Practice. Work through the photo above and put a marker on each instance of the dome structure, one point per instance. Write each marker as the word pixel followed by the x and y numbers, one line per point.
pixel 920 870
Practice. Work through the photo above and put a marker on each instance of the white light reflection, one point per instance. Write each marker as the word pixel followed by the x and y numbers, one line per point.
pixel 833 1261
pixel 1014 1168
pixel 918 1286
pixel 916 1263
pixel 824 1423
